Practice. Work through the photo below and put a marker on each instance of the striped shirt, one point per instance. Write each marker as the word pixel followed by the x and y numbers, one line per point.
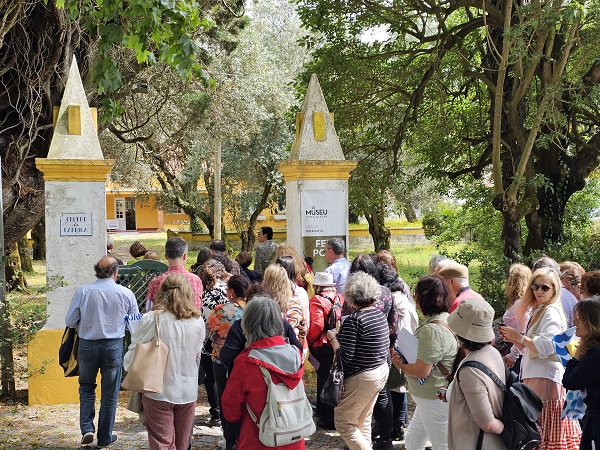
pixel 364 341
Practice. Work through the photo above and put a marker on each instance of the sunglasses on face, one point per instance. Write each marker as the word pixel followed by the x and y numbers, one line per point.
pixel 544 287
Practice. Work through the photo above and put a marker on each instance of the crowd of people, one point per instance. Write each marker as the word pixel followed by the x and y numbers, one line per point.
pixel 227 326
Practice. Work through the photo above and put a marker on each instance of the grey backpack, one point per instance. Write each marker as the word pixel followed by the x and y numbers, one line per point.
pixel 287 416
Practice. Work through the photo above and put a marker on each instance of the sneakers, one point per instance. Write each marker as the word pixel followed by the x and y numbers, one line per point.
pixel 87 439
pixel 324 424
pixel 214 422
pixel 398 431
pixel 112 441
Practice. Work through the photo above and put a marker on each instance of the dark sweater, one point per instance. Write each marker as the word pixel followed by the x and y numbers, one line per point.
pixel 236 342
pixel 585 374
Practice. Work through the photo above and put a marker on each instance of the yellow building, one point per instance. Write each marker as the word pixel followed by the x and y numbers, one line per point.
pixel 129 210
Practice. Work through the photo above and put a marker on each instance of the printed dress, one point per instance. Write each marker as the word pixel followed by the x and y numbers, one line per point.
pixel 220 320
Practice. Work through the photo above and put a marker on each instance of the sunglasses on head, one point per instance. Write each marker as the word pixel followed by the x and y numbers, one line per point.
pixel 544 287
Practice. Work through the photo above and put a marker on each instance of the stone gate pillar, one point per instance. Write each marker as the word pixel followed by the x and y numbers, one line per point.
pixel 75 174
pixel 316 180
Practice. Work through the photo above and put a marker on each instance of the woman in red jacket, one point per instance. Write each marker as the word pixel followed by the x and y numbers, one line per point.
pixel 246 387
pixel 320 347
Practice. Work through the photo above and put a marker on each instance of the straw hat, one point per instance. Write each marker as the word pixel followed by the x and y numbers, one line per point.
pixel 472 320
pixel 323 279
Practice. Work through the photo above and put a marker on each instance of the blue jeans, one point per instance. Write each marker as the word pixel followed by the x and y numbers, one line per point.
pixel 105 355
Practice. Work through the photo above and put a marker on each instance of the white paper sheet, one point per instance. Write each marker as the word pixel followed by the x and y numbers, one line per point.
pixel 407 345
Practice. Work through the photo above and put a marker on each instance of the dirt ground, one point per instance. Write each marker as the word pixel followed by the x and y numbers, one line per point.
pixel 57 426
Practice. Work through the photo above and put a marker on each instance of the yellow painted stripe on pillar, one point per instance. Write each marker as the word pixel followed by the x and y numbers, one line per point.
pixel 47 384
pixel 299 120
pixel 55 111
pixel 319 125
pixel 74 122
pixel 94 112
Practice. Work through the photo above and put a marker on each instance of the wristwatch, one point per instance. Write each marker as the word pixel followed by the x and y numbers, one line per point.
pixel 522 339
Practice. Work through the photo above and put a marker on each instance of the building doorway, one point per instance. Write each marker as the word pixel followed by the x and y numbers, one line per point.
pixel 125 213
pixel 130 223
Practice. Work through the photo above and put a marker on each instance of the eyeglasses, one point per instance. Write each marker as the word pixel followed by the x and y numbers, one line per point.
pixel 544 287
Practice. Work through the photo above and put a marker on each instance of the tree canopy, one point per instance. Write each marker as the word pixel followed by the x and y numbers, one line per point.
pixel 245 112
pixel 38 39
pixel 505 92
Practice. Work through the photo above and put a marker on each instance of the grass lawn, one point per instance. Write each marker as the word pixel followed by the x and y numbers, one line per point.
pixel 413 261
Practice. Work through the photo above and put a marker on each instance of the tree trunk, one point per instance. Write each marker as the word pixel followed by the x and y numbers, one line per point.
pixel 377 229
pixel 409 212
pixel 7 357
pixel 249 233
pixel 14 274
pixel 36 56
pixel 547 223
pixel 244 239
pixel 38 234
pixel 25 256
pixel 510 236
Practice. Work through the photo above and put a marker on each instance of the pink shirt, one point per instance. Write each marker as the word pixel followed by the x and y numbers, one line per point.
pixel 193 279
pixel 463 295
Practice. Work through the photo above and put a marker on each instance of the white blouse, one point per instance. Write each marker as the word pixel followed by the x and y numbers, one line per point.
pixel 544 363
pixel 184 338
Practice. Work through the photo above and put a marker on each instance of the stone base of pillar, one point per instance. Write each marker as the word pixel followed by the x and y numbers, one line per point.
pixel 50 387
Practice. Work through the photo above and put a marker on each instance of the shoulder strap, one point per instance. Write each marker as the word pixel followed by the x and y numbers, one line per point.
pixel 439 365
pixel 444 324
pixel 479 440
pixel 486 370
pixel 333 301
pixel 337 360
pixel 156 327
pixel 267 378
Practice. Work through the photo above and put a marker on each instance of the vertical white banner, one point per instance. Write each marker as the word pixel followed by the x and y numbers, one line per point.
pixel 323 212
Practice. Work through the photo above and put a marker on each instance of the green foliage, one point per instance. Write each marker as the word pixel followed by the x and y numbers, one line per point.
pixel 21 316
pixel 156 31
pixel 413 91
pixel 244 112
pixel 477 226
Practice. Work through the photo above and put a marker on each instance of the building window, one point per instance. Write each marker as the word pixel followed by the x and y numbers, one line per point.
pixel 119 209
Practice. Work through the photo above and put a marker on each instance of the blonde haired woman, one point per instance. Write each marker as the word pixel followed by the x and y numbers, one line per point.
pixel 517 283
pixel 303 276
pixel 170 414
pixel 519 276
pixel 540 368
pixel 276 279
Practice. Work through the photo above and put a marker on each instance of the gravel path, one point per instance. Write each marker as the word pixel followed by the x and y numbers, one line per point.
pixel 57 427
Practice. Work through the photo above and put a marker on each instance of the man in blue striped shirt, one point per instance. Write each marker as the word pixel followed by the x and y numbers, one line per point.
pixel 335 250
pixel 99 310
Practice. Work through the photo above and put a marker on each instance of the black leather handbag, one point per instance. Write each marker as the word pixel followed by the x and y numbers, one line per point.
pixel 334 385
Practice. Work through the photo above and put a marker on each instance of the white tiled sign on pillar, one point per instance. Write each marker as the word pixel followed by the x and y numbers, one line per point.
pixel 321 211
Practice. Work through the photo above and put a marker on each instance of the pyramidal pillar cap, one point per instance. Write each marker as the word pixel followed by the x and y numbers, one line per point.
pixel 75 135
pixel 316 138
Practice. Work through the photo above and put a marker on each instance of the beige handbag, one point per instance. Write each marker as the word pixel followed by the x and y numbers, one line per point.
pixel 147 368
